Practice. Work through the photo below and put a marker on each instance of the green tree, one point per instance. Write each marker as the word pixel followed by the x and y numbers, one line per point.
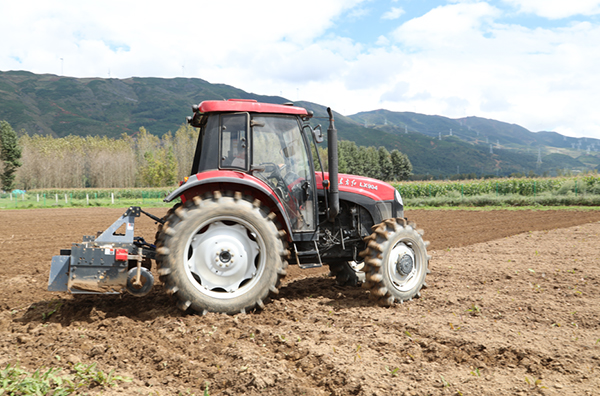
pixel 370 159
pixel 386 168
pixel 402 168
pixel 353 163
pixel 10 155
pixel 342 157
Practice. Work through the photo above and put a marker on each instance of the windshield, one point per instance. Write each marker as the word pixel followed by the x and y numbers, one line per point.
pixel 280 153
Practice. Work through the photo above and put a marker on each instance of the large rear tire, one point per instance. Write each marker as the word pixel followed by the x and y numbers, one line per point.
pixel 221 254
pixel 396 262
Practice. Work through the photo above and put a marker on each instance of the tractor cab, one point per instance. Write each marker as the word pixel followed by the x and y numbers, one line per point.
pixel 267 146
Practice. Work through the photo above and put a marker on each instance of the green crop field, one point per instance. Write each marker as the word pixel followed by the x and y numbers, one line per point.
pixel 503 192
pixel 513 192
pixel 85 197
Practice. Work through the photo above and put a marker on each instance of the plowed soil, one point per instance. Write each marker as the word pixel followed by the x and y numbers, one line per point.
pixel 512 308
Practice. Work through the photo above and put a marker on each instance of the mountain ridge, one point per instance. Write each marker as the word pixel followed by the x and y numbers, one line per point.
pixel 436 145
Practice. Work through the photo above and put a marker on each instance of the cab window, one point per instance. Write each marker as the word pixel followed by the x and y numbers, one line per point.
pixel 234 141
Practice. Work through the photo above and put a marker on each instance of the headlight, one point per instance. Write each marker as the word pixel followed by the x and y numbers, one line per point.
pixel 398 198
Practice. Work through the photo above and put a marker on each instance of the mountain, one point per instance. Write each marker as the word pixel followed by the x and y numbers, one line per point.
pixel 507 148
pixel 61 106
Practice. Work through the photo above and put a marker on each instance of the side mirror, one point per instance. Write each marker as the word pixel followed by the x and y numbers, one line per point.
pixel 316 132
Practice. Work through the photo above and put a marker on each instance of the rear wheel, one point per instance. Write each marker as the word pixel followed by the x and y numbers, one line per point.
pixel 222 254
pixel 396 262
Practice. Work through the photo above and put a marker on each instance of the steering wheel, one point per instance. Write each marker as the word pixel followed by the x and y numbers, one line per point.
pixel 274 172
pixel 271 168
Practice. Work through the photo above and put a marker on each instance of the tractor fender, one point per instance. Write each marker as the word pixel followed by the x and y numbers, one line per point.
pixel 210 181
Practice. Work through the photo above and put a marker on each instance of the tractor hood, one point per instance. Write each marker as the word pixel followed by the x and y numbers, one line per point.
pixel 366 186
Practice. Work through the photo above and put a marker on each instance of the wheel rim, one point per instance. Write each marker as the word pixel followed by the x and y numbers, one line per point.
pixel 223 257
pixel 403 267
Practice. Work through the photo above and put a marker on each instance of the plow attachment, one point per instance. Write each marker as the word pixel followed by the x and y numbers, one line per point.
pixel 108 263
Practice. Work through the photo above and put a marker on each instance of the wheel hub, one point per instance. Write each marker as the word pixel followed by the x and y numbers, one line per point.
pixel 222 257
pixel 404 264
pixel 402 268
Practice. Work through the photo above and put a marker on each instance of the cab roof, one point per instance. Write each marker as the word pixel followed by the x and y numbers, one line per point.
pixel 249 105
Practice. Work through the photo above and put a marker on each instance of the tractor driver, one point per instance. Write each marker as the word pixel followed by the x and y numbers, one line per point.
pixel 236 156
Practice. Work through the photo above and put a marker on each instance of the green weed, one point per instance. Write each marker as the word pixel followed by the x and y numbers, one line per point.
pixel 357 354
pixel 52 311
pixel 444 382
pixel 535 383
pixel 16 381
pixel 393 372
pixel 474 310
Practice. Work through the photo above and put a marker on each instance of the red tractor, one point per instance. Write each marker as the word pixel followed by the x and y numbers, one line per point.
pixel 253 204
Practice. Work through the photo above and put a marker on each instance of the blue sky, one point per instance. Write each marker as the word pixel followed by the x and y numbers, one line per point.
pixel 370 20
pixel 530 62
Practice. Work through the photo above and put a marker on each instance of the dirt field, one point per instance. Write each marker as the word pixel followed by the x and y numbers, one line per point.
pixel 512 308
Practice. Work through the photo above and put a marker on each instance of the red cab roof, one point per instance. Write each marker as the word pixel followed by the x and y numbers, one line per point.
pixel 249 105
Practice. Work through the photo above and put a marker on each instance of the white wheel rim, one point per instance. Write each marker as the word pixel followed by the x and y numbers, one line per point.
pixel 403 282
pixel 222 257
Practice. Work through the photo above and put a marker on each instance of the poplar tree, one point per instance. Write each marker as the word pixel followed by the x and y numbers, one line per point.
pixel 10 155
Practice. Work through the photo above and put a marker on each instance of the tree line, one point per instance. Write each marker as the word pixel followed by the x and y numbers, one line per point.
pixel 140 160
pixel 145 160
pixel 370 161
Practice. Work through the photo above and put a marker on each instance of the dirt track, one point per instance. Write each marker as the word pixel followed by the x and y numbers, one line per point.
pixel 513 297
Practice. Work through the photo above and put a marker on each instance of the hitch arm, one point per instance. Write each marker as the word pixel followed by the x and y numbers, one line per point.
pixel 158 220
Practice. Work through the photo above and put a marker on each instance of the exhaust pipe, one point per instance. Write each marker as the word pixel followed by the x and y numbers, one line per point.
pixel 332 154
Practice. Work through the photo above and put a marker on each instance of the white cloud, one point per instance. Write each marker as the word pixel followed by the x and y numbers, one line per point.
pixel 458 59
pixel 159 38
pixel 398 93
pixel 557 9
pixel 446 26
pixel 374 70
pixel 493 101
pixel 468 63
pixel 394 13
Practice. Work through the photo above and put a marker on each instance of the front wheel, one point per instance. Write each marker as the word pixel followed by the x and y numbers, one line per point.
pixel 222 254
pixel 396 262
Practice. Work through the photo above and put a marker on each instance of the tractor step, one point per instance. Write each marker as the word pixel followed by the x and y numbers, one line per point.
pixel 311 265
pixel 308 254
